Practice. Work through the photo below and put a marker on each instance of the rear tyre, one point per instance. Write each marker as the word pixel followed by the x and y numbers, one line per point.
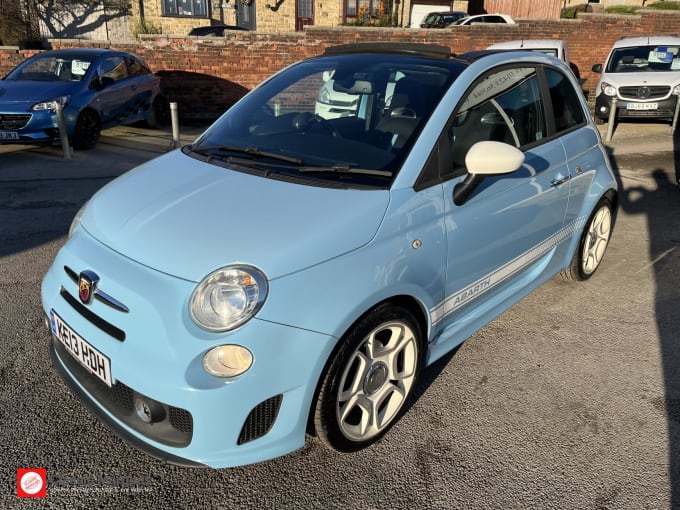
pixel 159 116
pixel 88 130
pixel 593 243
pixel 370 379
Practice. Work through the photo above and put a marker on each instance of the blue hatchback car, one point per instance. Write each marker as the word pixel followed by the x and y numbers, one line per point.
pixel 97 88
pixel 288 274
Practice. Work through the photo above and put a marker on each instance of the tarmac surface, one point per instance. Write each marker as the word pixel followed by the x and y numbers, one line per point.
pixel 119 150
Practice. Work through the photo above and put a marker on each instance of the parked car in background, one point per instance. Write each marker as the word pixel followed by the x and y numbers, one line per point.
pixel 643 74
pixel 441 19
pixel 484 18
pixel 96 88
pixel 213 30
pixel 287 273
pixel 555 47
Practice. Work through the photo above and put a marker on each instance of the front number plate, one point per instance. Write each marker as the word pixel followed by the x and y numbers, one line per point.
pixel 9 135
pixel 642 106
pixel 93 360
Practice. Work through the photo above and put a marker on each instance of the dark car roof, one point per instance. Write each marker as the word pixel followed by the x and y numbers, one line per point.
pixel 447 12
pixel 213 28
pixel 426 50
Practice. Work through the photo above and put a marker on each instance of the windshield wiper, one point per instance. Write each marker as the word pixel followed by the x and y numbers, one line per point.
pixel 251 151
pixel 344 169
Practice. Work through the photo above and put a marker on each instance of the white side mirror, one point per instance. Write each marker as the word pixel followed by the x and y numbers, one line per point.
pixel 490 158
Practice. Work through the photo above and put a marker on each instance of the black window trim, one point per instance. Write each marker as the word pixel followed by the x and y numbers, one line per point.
pixel 440 155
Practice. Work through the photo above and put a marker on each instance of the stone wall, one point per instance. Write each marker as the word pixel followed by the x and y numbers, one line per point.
pixel 205 76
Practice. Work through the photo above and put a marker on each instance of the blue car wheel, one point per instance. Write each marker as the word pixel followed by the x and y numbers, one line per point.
pixel 88 129
pixel 370 380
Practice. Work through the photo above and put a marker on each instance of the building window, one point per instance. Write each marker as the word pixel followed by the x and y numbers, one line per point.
pixel 362 8
pixel 194 8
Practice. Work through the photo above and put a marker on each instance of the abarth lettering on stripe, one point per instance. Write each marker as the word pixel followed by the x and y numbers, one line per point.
pixel 488 282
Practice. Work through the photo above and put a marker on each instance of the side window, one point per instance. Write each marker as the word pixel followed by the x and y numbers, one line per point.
pixel 505 106
pixel 114 68
pixel 136 67
pixel 565 101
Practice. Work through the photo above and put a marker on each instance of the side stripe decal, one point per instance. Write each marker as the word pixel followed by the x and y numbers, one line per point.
pixel 488 282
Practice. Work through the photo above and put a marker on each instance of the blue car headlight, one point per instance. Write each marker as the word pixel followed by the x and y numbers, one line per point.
pixel 228 298
pixel 51 105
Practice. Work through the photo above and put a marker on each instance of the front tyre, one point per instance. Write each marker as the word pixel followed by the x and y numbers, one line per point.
pixel 593 243
pixel 88 130
pixel 370 379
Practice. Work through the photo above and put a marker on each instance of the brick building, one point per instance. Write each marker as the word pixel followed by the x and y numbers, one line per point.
pixel 179 16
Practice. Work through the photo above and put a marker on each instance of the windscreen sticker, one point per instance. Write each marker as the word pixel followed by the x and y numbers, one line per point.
pixel 79 67
pixel 661 55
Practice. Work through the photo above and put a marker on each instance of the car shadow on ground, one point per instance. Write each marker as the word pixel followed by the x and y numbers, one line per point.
pixel 660 205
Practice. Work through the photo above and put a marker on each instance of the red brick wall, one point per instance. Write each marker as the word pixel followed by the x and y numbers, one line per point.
pixel 206 76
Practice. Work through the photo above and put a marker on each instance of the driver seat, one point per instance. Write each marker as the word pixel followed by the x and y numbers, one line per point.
pixel 405 111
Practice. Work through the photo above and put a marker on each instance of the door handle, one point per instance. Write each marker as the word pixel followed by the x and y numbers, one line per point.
pixel 559 182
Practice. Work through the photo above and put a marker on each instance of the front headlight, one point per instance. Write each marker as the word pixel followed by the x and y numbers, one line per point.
pixel 676 90
pixel 609 90
pixel 76 220
pixel 51 105
pixel 324 96
pixel 228 297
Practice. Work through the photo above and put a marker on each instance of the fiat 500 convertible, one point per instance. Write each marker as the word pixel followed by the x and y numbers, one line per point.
pixel 288 275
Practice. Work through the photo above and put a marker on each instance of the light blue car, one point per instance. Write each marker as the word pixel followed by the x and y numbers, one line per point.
pixel 287 274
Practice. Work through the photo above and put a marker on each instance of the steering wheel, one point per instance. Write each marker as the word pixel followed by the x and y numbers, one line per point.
pixel 304 121
pixel 403 111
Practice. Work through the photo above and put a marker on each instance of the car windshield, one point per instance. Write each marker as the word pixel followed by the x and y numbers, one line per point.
pixel 351 117
pixel 51 68
pixel 644 59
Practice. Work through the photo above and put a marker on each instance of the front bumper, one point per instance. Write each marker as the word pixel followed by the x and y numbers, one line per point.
pixel 42 127
pixel 209 421
pixel 665 108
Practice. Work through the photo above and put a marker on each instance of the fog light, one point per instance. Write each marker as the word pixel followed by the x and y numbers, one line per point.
pixel 227 360
pixel 604 109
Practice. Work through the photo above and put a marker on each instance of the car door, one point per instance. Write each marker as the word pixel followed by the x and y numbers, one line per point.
pixel 580 140
pixel 113 99
pixel 142 86
pixel 502 239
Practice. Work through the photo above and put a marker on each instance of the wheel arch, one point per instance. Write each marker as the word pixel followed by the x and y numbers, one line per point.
pixel 411 304
pixel 613 197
